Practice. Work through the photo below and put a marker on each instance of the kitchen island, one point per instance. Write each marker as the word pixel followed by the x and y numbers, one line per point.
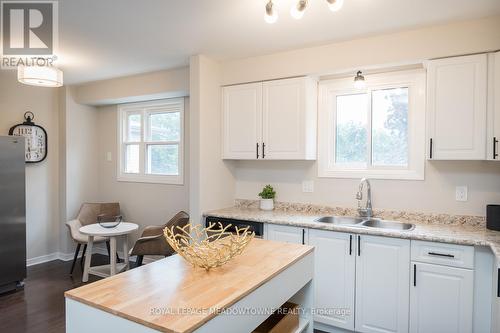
pixel 170 295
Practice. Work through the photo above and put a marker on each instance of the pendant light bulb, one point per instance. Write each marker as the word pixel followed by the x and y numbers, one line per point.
pixel 359 81
pixel 271 15
pixel 335 5
pixel 297 11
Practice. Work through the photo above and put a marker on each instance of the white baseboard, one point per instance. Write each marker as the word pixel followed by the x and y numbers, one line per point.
pixel 69 256
pixel 42 259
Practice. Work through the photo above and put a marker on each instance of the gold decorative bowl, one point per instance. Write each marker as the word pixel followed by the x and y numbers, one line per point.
pixel 208 247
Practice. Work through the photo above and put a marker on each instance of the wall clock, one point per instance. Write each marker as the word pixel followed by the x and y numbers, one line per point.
pixel 35 136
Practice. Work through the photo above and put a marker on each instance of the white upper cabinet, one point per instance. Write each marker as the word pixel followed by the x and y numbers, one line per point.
pixel 493 107
pixel 334 277
pixel 456 108
pixel 289 119
pixel 273 120
pixel 382 284
pixel 242 109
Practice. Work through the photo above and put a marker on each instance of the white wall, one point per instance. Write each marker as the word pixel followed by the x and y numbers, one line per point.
pixel 141 203
pixel 406 47
pixel 79 172
pixel 142 87
pixel 212 179
pixel 42 202
pixel 437 192
pixel 434 195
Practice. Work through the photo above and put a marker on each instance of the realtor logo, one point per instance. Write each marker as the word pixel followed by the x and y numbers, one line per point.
pixel 28 31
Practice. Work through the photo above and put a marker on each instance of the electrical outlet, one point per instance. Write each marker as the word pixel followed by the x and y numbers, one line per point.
pixel 308 186
pixel 461 193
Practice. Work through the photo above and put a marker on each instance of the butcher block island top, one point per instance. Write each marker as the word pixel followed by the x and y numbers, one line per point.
pixel 170 295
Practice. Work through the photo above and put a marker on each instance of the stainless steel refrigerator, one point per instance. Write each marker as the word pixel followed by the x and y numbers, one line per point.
pixel 12 213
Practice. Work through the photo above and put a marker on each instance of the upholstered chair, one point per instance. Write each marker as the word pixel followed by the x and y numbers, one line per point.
pixel 88 215
pixel 152 240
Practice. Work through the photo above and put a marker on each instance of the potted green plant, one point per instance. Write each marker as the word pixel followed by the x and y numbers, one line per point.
pixel 267 198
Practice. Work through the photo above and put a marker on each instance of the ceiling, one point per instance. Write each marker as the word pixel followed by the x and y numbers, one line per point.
pixel 101 39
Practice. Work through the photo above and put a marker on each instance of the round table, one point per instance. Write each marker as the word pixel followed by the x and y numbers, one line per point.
pixel 93 230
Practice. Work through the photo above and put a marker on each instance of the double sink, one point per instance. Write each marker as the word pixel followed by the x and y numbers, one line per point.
pixel 365 222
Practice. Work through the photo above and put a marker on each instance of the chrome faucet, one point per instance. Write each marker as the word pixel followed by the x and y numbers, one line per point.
pixel 367 211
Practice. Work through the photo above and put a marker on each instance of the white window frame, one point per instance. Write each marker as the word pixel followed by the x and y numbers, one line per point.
pixel 145 109
pixel 415 80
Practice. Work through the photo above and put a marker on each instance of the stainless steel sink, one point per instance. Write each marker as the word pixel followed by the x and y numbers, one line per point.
pixel 381 224
pixel 344 220
pixel 364 222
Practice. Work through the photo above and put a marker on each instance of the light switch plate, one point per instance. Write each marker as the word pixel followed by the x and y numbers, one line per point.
pixel 108 156
pixel 308 186
pixel 461 193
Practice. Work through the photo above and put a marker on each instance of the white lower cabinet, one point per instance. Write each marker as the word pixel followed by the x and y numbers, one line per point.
pixel 285 233
pixel 334 274
pixel 361 282
pixel 441 299
pixel 382 283
pixel 371 283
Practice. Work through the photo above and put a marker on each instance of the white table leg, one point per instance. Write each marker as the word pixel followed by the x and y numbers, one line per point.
pixel 112 243
pixel 125 251
pixel 88 258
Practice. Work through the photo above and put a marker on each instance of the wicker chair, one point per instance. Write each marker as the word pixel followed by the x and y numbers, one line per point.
pixel 152 240
pixel 88 215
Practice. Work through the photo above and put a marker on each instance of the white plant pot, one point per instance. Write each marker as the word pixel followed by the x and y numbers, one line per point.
pixel 267 204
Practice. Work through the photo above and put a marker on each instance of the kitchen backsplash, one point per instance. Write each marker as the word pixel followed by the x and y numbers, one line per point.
pixel 414 217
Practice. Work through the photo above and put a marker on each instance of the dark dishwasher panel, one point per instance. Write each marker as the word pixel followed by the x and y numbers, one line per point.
pixel 257 227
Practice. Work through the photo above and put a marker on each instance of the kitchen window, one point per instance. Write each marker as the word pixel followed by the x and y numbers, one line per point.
pixel 377 131
pixel 151 141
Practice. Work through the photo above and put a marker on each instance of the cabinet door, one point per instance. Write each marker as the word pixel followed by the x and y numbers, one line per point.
pixel 242 108
pixel 289 119
pixel 493 107
pixel 334 277
pixel 284 233
pixel 382 283
pixel 441 299
pixel 456 105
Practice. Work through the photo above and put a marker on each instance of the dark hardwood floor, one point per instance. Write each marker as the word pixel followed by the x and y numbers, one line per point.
pixel 40 306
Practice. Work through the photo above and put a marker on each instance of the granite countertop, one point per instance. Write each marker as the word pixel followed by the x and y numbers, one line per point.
pixel 456 233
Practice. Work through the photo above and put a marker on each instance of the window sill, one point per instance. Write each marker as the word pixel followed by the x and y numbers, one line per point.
pixel 372 174
pixel 151 179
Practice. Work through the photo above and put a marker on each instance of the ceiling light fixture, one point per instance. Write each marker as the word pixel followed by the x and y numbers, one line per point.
pixel 271 15
pixel 297 10
pixel 335 5
pixel 42 76
pixel 359 81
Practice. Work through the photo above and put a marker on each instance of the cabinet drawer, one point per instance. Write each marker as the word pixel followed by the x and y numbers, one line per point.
pixel 443 254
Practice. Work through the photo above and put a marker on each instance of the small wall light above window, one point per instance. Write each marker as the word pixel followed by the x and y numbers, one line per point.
pixel 359 81
pixel 271 15
pixel 42 76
